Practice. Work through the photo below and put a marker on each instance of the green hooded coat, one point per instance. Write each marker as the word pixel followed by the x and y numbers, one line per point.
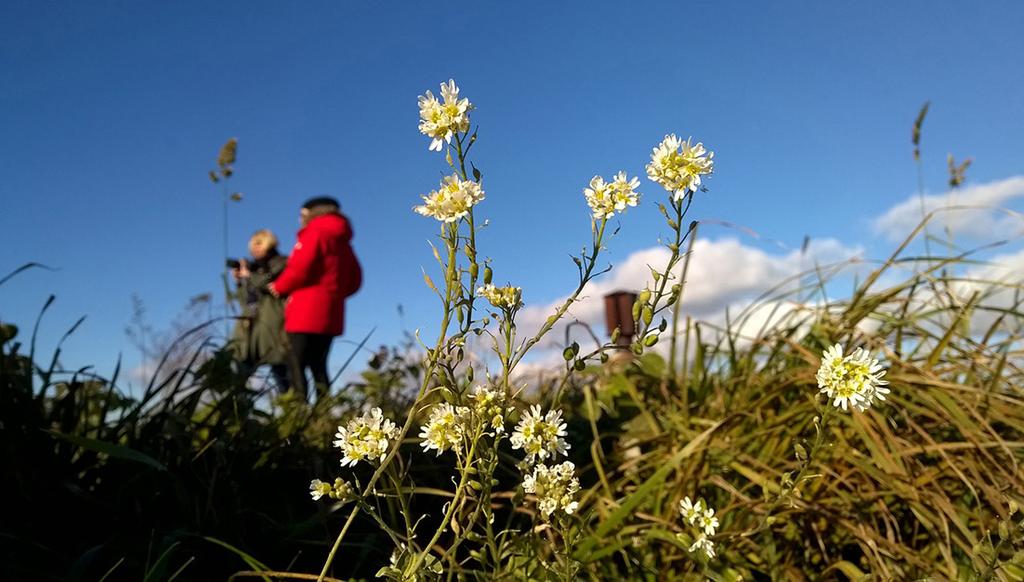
pixel 259 336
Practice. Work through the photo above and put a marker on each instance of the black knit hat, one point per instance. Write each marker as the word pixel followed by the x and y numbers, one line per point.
pixel 321 201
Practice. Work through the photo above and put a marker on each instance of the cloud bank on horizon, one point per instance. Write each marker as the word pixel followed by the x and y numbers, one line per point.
pixel 975 211
pixel 728 273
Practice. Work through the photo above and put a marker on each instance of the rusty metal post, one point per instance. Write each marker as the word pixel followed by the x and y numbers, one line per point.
pixel 618 313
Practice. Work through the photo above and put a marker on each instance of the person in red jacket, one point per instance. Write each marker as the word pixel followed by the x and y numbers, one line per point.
pixel 322 271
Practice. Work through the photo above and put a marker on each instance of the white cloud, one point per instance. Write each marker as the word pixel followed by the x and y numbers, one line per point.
pixel 998 284
pixel 986 218
pixel 722 273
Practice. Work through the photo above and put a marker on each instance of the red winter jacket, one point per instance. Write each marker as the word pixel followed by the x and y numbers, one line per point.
pixel 322 271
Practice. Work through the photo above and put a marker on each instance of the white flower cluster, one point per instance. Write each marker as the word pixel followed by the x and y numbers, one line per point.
pixel 449 426
pixel 540 436
pixel 489 408
pixel 607 198
pixel 440 120
pixel 339 490
pixel 703 518
pixel 502 297
pixel 555 488
pixel 445 428
pixel 677 165
pixel 452 200
pixel 365 438
pixel 853 380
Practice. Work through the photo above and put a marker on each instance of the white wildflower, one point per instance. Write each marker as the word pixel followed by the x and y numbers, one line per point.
pixel 607 198
pixel 554 487
pixel 487 404
pixel 365 438
pixel 705 545
pixel 708 522
pixel 677 165
pixel 452 200
pixel 440 120
pixel 624 191
pixel 691 511
pixel 445 428
pixel 853 380
pixel 502 297
pixel 318 489
pixel 540 436
pixel 599 198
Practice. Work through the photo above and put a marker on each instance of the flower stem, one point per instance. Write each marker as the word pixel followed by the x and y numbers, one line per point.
pixel 452 505
pixel 591 261
pixel 432 362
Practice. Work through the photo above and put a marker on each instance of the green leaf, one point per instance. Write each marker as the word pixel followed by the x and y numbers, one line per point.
pixel 249 560
pixel 110 449
pixel 156 572
pixel 849 570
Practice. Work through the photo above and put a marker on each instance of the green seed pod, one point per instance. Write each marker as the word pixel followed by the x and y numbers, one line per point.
pixel 663 325
pixel 575 348
pixel 469 374
pixel 615 334
pixel 604 358
pixel 567 353
pixel 644 296
pixel 648 315
pixel 488 273
pixel 638 349
pixel 474 270
pixel 636 310
pixel 651 340
pixel 580 365
pixel 801 452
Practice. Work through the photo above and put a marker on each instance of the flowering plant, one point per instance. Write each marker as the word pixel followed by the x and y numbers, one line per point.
pixel 469 419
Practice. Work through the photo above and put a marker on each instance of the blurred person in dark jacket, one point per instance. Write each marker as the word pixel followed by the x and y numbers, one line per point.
pixel 259 336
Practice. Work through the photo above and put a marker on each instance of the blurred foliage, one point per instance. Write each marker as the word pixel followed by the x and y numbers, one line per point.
pixel 147 484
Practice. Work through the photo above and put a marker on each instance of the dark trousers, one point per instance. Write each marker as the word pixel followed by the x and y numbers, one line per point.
pixel 282 376
pixel 309 350
pixel 280 372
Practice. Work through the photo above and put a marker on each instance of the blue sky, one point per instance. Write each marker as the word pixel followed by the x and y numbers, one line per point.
pixel 112 113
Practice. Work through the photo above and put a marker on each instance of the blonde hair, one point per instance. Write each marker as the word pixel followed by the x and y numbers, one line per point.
pixel 264 238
